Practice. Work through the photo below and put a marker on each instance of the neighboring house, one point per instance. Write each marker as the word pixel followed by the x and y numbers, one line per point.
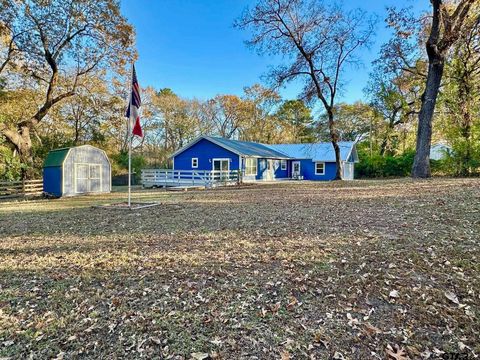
pixel 266 162
pixel 439 151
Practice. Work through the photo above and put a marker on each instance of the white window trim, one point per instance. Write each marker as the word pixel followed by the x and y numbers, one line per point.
pixel 196 160
pixel 319 162
pixel 221 159
pixel 256 167
pixel 283 164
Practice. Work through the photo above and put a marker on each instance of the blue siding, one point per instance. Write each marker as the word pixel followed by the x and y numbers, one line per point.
pixel 277 166
pixel 52 180
pixel 262 166
pixel 205 151
pixel 307 169
pixel 279 173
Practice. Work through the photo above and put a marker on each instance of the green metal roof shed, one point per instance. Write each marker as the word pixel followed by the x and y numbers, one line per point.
pixel 76 170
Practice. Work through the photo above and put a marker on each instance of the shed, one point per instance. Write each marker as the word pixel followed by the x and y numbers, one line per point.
pixel 77 170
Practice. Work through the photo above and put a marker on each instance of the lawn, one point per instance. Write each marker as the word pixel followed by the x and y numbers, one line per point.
pixel 357 270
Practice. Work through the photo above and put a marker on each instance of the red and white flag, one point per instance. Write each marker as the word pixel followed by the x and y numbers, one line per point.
pixel 133 110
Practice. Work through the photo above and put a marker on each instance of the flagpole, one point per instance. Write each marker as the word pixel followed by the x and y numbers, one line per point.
pixel 129 136
pixel 129 169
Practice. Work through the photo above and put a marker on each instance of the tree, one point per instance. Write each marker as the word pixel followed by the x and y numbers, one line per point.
pixel 394 97
pixel 259 124
pixel 460 102
pixel 55 44
pixel 353 122
pixel 297 120
pixel 317 41
pixel 227 113
pixel 448 23
pixel 174 121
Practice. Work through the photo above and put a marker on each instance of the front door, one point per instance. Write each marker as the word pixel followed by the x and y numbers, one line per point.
pixel 295 169
pixel 221 168
pixel 270 172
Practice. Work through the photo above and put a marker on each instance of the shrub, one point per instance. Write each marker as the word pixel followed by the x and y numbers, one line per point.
pixel 377 166
pixel 121 162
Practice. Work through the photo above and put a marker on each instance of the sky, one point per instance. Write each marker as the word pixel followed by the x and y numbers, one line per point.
pixel 192 47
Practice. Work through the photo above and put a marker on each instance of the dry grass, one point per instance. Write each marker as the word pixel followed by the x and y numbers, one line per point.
pixel 291 270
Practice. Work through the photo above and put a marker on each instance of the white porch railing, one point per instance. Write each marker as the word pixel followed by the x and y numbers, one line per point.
pixel 166 177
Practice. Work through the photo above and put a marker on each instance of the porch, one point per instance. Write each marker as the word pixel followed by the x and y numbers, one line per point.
pixel 189 178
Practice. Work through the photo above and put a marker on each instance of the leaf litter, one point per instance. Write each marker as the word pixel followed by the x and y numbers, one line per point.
pixel 364 269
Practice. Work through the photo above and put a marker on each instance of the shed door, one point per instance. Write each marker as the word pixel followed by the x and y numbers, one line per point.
pixel 81 178
pixel 95 178
pixel 88 178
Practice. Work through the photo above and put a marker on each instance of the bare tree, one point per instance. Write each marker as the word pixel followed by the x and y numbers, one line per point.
pixel 448 23
pixel 317 41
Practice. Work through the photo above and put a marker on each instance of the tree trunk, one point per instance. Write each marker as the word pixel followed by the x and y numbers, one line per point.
pixel 336 148
pixel 466 122
pixel 421 164
pixel 22 142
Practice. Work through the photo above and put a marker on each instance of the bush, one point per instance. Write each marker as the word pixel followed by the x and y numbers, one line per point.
pixel 459 162
pixel 121 163
pixel 377 166
pixel 10 165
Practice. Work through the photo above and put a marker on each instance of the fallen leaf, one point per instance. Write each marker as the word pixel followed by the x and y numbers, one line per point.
pixel 397 353
pixel 338 356
pixel 452 297
pixel 394 294
pixel 275 308
pixel 292 303
pixel 216 341
pixel 199 356
pixel 372 330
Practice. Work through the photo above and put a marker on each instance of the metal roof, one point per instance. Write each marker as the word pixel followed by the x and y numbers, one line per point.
pixel 247 148
pixel 56 157
pixel 242 148
pixel 317 151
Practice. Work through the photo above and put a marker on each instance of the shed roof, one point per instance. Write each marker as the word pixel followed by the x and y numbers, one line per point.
pixel 317 151
pixel 56 157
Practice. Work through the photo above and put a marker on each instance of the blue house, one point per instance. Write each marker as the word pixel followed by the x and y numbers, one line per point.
pixel 258 162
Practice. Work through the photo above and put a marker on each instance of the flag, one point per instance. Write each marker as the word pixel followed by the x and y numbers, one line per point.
pixel 132 113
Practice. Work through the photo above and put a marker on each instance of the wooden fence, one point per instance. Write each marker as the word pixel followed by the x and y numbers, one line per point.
pixel 11 189
pixel 185 178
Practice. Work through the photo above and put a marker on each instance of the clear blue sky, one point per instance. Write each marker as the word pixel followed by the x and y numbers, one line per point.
pixel 191 47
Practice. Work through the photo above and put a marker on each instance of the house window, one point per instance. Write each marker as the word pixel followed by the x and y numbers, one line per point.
pixel 250 166
pixel 319 168
pixel 194 163
pixel 284 164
